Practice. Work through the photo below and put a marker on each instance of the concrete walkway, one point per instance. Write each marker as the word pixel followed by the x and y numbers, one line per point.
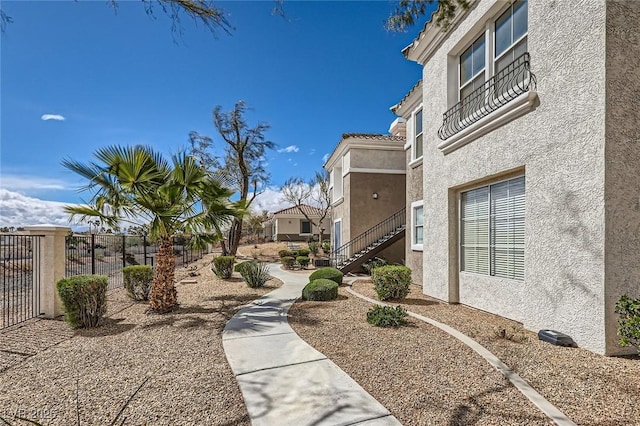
pixel 283 380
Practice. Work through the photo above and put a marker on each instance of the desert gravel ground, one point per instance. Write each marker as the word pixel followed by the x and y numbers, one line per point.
pixel 589 388
pixel 189 380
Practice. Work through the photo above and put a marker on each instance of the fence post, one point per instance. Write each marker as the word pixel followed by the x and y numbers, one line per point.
pixel 144 248
pixel 50 263
pixel 124 249
pixel 93 254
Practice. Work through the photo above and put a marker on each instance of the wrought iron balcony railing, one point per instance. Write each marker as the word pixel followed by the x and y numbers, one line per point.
pixel 514 80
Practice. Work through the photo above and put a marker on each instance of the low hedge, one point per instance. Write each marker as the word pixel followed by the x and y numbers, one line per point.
pixel 285 253
pixel 386 316
pixel 84 299
pixel 329 273
pixel 137 281
pixel 303 252
pixel 240 266
pixel 320 289
pixel 288 261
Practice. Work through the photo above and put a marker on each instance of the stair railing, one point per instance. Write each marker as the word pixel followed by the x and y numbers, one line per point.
pixel 370 237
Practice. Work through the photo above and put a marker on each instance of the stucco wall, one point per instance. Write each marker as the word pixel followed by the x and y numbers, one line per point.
pixel 560 148
pixel 378 158
pixel 367 211
pixel 413 258
pixel 622 159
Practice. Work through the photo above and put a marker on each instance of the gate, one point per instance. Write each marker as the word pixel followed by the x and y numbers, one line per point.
pixel 20 274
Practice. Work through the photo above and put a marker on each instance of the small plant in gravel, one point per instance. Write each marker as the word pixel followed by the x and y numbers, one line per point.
pixel 303 261
pixel 326 246
pixel 329 273
pixel 373 263
pixel 255 253
pixel 84 299
pixel 137 281
pixel 387 316
pixel 629 321
pixel 513 334
pixel 391 281
pixel 223 266
pixel 320 289
pixel 289 262
pixel 255 274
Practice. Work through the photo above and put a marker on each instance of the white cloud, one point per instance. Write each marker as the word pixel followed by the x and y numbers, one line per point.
pixel 26 183
pixel 290 148
pixel 56 117
pixel 325 157
pixel 313 151
pixel 19 210
pixel 271 200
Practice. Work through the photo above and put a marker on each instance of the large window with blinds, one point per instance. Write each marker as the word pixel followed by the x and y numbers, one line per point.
pixel 492 230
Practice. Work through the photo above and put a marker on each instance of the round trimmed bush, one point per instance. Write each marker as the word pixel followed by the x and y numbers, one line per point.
pixel 391 281
pixel 137 281
pixel 303 261
pixel 84 299
pixel 320 289
pixel 223 266
pixel 288 261
pixel 285 253
pixel 328 273
pixel 303 252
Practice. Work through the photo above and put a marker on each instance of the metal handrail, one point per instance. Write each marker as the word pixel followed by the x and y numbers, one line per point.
pixel 369 237
pixel 514 80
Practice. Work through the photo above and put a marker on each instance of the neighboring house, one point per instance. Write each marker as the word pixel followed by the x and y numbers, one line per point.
pixel 291 225
pixel 531 159
pixel 409 125
pixel 367 183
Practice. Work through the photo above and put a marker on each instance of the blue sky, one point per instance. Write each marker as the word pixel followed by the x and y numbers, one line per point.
pixel 329 68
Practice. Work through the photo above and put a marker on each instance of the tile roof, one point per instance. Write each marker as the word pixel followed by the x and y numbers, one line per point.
pixel 309 210
pixel 373 136
pixel 405 97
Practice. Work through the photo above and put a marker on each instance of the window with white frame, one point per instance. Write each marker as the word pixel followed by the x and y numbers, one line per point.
pixel 417 131
pixel 508 36
pixel 417 225
pixel 492 229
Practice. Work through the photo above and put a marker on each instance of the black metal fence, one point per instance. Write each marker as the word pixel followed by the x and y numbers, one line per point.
pixel 107 254
pixel 20 292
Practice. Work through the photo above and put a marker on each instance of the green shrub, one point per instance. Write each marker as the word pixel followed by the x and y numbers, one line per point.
pixel 328 273
pixel 84 299
pixel 223 266
pixel 314 247
pixel 320 289
pixel 303 252
pixel 373 263
pixel 303 261
pixel 392 282
pixel 629 321
pixel 285 253
pixel 386 316
pixel 289 262
pixel 239 266
pixel 255 274
pixel 326 246
pixel 137 281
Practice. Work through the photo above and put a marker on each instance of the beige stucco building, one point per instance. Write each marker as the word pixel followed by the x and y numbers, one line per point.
pixel 531 159
pixel 367 180
pixel 291 224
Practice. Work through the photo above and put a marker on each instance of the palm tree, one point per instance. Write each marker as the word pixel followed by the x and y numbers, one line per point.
pixel 134 184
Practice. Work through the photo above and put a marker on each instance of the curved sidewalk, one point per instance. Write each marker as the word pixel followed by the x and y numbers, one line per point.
pixel 283 380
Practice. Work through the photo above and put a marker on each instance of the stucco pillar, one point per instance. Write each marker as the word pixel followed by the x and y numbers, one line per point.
pixel 49 263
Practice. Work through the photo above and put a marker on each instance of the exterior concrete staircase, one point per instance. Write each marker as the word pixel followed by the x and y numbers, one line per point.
pixel 352 255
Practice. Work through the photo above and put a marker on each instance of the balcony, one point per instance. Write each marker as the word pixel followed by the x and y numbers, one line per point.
pixel 511 82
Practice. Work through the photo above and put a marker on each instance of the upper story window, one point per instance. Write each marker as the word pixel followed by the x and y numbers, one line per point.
pixel 417 146
pixel 483 86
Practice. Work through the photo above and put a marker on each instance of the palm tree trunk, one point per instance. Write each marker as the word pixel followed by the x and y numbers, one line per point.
pixel 234 236
pixel 163 296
